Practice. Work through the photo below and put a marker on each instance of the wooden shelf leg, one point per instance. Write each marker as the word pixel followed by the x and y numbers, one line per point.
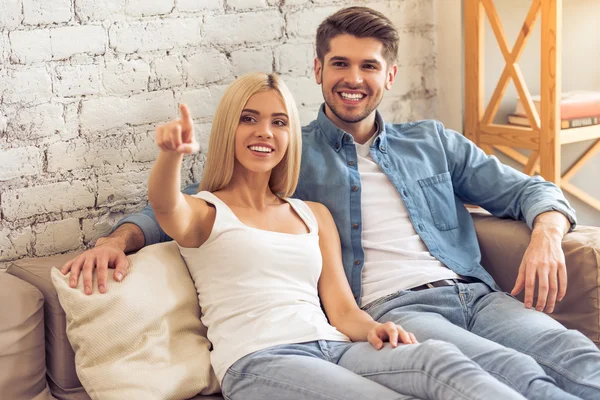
pixel 474 68
pixel 551 68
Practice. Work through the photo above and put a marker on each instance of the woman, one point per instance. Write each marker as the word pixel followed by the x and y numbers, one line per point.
pixel 263 262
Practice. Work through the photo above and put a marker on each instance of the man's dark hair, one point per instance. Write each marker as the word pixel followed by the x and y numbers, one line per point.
pixel 361 22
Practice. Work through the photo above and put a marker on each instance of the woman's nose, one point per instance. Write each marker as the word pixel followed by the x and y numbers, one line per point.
pixel 263 131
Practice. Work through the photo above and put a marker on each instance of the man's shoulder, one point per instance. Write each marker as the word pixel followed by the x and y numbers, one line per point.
pixel 421 127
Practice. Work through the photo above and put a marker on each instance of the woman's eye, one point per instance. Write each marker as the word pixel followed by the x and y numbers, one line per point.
pixel 246 118
pixel 280 122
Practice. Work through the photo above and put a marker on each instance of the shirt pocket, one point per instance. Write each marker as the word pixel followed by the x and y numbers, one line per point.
pixel 439 194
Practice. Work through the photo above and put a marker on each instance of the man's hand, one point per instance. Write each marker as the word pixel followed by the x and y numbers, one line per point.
pixel 389 332
pixel 178 135
pixel 544 261
pixel 106 254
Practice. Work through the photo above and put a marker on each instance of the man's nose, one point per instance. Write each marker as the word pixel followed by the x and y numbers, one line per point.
pixel 354 76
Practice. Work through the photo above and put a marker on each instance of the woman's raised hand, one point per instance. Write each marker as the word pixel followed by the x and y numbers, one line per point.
pixel 178 135
pixel 389 332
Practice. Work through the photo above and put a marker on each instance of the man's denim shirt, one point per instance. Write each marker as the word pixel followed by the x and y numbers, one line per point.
pixel 435 171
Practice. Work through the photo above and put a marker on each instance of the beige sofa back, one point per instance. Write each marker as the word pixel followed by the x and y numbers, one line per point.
pixel 22 358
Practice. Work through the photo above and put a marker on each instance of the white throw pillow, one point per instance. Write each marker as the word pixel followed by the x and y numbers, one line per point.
pixel 143 339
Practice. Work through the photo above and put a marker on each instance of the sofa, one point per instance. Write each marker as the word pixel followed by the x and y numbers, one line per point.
pixel 38 362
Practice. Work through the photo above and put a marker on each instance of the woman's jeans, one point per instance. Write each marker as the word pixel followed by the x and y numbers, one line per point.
pixel 356 371
pixel 523 348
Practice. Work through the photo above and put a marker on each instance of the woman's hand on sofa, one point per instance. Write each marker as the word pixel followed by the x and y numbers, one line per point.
pixel 108 253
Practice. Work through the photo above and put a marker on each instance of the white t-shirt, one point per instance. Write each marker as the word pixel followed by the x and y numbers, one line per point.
pixel 257 288
pixel 395 256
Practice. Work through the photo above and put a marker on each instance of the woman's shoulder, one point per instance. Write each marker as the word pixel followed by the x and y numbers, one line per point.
pixel 319 210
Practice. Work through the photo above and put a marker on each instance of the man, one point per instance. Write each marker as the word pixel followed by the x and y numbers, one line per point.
pixel 409 246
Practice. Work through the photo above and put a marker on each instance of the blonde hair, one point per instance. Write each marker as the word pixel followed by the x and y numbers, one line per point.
pixel 221 146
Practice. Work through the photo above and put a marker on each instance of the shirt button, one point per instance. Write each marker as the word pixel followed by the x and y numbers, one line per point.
pixel 337 146
pixel 403 193
pixel 421 227
pixel 355 188
pixel 382 148
pixel 351 163
pixel 354 226
pixel 356 262
pixel 347 139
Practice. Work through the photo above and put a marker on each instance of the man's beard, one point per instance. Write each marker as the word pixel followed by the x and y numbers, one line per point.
pixel 349 119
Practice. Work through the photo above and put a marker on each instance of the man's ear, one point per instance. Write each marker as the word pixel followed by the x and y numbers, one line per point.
pixel 318 68
pixel 391 76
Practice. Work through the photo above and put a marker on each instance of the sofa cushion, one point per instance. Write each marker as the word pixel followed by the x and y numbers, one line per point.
pixel 60 358
pixel 143 339
pixel 503 243
pixel 22 359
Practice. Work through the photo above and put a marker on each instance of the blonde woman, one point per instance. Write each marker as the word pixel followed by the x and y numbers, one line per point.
pixel 260 261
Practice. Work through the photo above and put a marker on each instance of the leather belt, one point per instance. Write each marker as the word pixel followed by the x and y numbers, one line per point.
pixel 440 283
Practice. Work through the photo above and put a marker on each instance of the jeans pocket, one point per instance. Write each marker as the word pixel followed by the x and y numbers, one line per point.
pixel 439 193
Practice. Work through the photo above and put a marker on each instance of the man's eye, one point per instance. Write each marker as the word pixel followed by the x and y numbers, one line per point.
pixel 369 66
pixel 339 64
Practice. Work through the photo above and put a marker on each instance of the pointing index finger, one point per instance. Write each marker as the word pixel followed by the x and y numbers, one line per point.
pixel 186 116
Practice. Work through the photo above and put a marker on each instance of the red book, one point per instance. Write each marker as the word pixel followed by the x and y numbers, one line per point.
pixel 578 104
pixel 521 120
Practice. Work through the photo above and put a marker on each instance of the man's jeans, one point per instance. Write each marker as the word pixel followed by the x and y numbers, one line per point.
pixel 323 370
pixel 524 348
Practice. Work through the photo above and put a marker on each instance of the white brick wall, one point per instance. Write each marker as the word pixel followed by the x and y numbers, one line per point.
pixel 27 85
pixel 50 237
pixel 128 76
pixel 108 112
pixel 155 35
pixel 45 199
pixel 39 121
pixel 258 27
pixel 10 16
pixel 98 10
pixel 76 80
pixel 207 67
pixel 31 46
pixel 195 5
pixel 22 161
pixel 38 12
pixel 142 8
pixel 72 40
pixel 83 83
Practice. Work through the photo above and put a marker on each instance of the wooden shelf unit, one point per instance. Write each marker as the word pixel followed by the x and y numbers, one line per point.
pixel 544 138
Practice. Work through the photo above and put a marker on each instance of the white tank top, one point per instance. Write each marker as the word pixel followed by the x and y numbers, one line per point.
pixel 257 288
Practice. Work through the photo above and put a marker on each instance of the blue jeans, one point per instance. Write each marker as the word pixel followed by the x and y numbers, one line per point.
pixel 523 348
pixel 327 370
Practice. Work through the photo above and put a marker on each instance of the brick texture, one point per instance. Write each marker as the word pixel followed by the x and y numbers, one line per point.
pixel 83 84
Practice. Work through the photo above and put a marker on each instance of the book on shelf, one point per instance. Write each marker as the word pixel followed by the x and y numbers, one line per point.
pixel 573 105
pixel 522 120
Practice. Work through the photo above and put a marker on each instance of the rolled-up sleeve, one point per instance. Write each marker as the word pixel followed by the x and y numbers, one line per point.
pixel 146 221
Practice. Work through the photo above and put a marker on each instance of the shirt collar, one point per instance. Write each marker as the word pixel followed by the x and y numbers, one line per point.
pixel 335 136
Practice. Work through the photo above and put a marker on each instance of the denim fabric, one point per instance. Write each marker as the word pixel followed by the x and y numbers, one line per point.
pixel 523 348
pixel 352 371
pixel 434 170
